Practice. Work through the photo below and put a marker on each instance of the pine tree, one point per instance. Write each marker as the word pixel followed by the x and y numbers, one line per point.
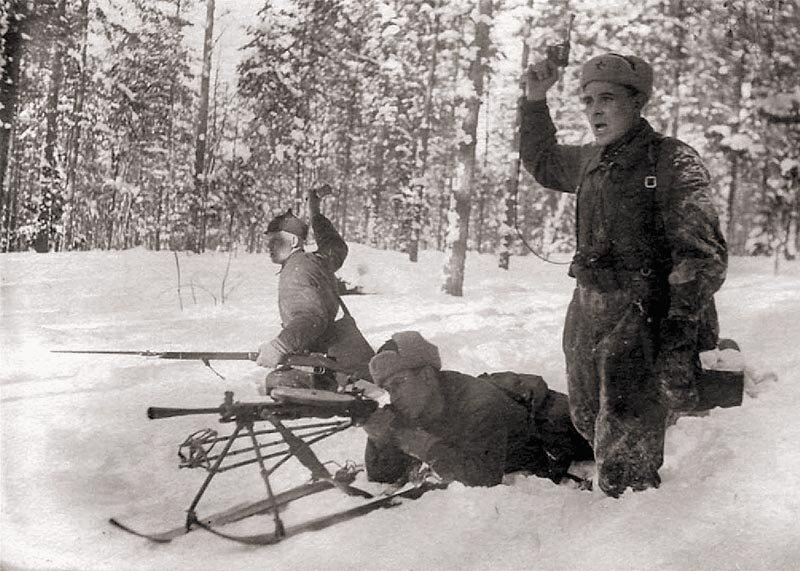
pixel 14 18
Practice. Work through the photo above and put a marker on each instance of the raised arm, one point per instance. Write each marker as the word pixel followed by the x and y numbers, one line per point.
pixel 552 165
pixel 330 245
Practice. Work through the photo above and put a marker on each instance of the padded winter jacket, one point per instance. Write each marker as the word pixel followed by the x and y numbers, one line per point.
pixel 307 296
pixel 481 435
pixel 644 212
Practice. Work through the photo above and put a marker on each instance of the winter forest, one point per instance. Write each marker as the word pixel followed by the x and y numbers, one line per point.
pixel 138 137
pixel 121 128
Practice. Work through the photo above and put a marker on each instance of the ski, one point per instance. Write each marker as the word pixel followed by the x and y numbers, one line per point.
pixel 409 491
pixel 235 513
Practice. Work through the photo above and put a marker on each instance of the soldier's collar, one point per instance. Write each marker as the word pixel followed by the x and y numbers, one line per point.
pixel 289 257
pixel 631 147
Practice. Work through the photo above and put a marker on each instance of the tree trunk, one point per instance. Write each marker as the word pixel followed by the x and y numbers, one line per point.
pixel 735 157
pixel 446 189
pixel 484 187
pixel 416 218
pixel 200 183
pixel 8 238
pixel 112 210
pixel 677 61
pixel 12 47
pixel 552 223
pixel 116 160
pixel 162 212
pixel 298 186
pixel 348 158
pixel 460 199
pixel 373 206
pixel 730 230
pixel 479 223
pixel 51 205
pixel 441 229
pixel 508 228
pixel 74 141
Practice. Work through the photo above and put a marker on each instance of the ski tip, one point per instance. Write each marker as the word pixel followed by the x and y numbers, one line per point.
pixel 152 537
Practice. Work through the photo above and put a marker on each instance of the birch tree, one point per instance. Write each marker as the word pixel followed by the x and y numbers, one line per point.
pixel 460 198
pixel 51 199
pixel 511 186
pixel 198 231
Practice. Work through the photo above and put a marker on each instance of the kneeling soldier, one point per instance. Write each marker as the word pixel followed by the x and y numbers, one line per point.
pixel 308 301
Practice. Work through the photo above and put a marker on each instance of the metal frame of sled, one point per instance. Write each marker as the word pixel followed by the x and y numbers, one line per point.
pixel 283 443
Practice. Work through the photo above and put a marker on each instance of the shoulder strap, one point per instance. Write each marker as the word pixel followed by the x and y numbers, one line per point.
pixel 661 175
pixel 334 282
pixel 344 307
pixel 657 177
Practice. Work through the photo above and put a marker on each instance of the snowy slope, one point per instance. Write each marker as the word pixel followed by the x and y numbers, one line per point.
pixel 77 448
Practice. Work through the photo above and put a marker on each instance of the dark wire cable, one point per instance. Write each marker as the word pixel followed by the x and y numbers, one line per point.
pixel 516 210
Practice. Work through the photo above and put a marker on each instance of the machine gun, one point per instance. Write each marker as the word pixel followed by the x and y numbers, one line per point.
pixel 298 418
pixel 291 404
pixel 269 448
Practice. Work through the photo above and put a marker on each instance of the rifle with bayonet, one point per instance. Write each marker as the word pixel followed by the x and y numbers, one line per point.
pixel 298 359
pixel 183 355
pixel 318 362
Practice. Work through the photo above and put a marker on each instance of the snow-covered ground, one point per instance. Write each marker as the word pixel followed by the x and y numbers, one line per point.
pixel 77 448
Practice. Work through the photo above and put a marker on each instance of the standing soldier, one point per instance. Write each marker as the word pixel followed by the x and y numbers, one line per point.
pixel 308 301
pixel 650 256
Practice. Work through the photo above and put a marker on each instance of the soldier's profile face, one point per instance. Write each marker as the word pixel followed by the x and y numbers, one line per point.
pixel 280 245
pixel 611 110
pixel 413 393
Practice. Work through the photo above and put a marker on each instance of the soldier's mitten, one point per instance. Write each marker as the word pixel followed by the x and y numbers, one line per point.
pixel 270 355
pixel 381 426
pixel 675 373
pixel 416 443
pixel 678 335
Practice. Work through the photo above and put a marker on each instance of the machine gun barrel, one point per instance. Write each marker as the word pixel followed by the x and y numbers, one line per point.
pixel 156 412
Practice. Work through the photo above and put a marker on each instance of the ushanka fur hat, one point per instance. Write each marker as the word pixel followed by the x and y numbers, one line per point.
pixel 627 70
pixel 407 350
pixel 290 223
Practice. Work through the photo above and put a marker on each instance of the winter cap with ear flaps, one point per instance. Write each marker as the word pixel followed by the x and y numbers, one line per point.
pixel 290 223
pixel 615 68
pixel 412 352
